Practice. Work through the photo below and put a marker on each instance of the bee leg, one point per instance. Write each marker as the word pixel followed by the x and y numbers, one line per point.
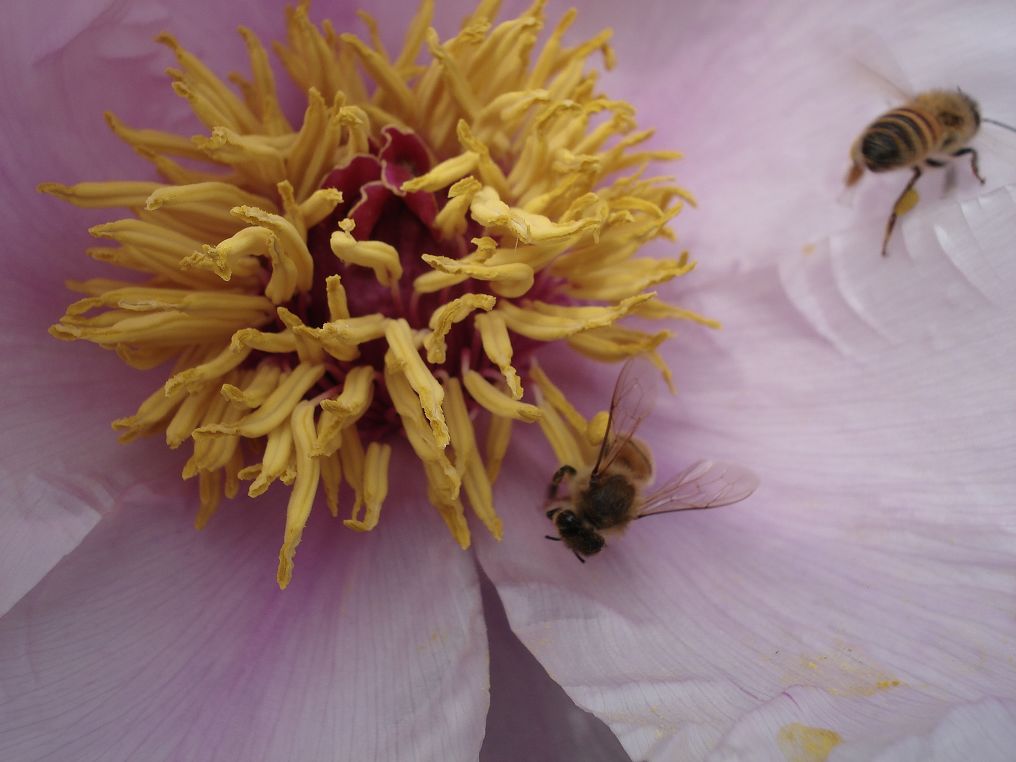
pixel 892 217
pixel 555 539
pixel 934 163
pixel 973 161
pixel 578 556
pixel 559 476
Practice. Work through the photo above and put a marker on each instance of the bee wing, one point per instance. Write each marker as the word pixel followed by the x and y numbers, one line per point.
pixel 872 60
pixel 632 401
pixel 706 484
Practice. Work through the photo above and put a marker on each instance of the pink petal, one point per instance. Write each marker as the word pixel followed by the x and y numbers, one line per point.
pixel 765 100
pixel 154 641
pixel 865 589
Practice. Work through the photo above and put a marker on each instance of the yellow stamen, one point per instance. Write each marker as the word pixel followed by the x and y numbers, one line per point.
pixel 375 486
pixel 499 434
pixel 446 316
pixel 496 401
pixel 532 230
pixel 508 280
pixel 344 410
pixel 308 471
pixel 276 408
pixel 497 345
pixel 380 257
pixel 467 459
pixel 404 357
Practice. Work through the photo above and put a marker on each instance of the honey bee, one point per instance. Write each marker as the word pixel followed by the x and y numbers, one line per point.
pixel 930 129
pixel 606 497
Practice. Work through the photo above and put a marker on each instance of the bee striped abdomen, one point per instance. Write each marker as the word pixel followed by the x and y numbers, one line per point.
pixel 899 138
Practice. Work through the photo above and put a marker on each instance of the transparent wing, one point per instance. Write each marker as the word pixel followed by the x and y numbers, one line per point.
pixel 631 403
pixel 871 60
pixel 706 484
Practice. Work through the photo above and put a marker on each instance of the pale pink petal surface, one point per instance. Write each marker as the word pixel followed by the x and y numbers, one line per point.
pixel 865 589
pixel 153 641
pixel 689 638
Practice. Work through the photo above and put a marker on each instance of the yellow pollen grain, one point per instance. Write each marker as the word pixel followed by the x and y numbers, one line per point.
pixel 375 486
pixel 803 743
pixel 596 430
pixel 404 354
pixel 301 499
pixel 496 401
pixel 445 316
pixel 908 202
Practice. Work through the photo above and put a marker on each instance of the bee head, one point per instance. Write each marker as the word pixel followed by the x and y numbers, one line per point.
pixel 975 110
pixel 578 534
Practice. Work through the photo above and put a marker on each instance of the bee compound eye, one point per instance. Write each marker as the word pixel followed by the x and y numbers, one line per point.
pixel 567 521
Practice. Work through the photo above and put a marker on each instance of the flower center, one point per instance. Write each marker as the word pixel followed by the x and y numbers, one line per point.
pixel 389 267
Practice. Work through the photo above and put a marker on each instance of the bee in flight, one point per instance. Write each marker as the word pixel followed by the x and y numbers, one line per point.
pixel 932 128
pixel 606 497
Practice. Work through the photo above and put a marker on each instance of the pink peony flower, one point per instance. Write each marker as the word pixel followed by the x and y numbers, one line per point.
pixel 856 608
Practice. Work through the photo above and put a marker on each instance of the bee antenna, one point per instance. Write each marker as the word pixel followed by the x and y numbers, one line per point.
pixel 579 557
pixel 997 123
pixel 555 539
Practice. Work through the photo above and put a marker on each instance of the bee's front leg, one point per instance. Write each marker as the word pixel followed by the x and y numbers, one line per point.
pixel 555 482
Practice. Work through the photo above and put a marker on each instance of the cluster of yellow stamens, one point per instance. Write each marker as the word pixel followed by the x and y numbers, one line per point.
pixel 305 317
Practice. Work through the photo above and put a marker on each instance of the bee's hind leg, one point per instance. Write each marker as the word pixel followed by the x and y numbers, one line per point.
pixel 896 211
pixel 973 161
